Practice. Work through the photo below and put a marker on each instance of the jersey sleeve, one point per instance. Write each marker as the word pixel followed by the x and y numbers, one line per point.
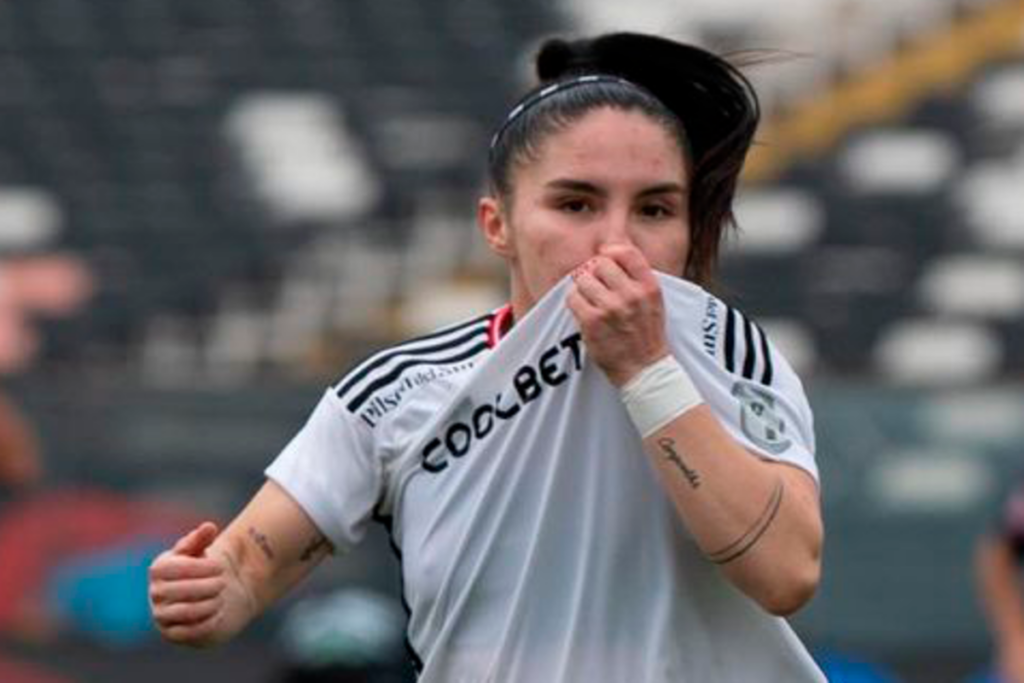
pixel 745 380
pixel 773 420
pixel 330 470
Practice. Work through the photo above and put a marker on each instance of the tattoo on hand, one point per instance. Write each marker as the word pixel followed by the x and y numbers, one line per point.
pixel 745 542
pixel 262 541
pixel 668 447
pixel 313 548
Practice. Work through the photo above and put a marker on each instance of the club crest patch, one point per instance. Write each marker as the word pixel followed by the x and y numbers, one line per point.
pixel 760 419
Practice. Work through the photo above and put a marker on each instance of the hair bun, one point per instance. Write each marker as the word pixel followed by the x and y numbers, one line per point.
pixel 713 99
pixel 558 58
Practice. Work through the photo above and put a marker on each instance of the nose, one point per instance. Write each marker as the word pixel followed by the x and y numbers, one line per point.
pixel 616 229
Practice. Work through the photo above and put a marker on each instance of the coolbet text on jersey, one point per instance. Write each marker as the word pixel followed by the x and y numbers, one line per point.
pixel 535 541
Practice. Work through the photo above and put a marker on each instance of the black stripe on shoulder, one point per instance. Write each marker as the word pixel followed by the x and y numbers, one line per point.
pixel 769 372
pixel 412 347
pixel 464 353
pixel 750 350
pixel 730 340
pixel 755 347
pixel 430 349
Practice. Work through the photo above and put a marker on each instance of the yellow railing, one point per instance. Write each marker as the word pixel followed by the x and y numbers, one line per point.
pixel 933 62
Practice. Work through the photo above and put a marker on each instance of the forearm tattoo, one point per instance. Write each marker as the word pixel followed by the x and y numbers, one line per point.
pixel 261 540
pixel 318 543
pixel 668 449
pixel 740 546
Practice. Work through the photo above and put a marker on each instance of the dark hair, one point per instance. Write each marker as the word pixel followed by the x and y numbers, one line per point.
pixel 552 107
pixel 701 99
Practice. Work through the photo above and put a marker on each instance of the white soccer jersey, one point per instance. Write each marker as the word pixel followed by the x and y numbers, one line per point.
pixel 535 540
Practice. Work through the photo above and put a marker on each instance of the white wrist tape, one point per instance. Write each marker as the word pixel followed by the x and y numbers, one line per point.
pixel 658 394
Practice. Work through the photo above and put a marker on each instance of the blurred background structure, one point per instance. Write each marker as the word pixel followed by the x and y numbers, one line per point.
pixel 210 208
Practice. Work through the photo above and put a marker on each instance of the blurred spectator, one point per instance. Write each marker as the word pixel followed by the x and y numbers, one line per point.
pixel 46 285
pixel 49 285
pixel 999 577
pixel 71 558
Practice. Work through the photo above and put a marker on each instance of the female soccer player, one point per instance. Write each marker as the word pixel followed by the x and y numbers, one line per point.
pixel 611 478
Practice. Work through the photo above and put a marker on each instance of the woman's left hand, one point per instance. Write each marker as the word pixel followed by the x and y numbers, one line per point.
pixel 617 303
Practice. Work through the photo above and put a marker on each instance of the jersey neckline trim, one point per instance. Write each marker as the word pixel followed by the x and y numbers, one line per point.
pixel 501 323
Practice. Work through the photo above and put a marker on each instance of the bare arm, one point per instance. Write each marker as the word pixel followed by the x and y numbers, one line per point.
pixel 759 520
pixel 998 582
pixel 209 586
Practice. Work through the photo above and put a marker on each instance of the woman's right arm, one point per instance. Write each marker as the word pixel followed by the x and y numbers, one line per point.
pixel 210 585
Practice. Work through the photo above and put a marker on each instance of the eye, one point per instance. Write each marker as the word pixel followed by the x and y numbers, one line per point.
pixel 574 205
pixel 657 211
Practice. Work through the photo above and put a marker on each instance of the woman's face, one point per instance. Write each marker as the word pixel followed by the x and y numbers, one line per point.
pixel 612 177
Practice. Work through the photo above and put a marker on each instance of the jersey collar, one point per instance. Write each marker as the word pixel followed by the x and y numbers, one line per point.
pixel 501 323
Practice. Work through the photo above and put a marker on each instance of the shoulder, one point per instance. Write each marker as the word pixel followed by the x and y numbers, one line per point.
pixel 726 337
pixel 743 377
pixel 738 343
pixel 385 377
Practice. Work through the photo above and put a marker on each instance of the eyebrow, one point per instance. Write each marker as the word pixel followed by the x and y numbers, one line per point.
pixel 590 188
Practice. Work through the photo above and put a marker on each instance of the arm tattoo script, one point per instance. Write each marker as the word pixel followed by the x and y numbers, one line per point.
pixel 668 447
pixel 313 548
pixel 262 541
pixel 745 542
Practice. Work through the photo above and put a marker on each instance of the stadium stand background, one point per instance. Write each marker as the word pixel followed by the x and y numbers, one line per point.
pixel 268 189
